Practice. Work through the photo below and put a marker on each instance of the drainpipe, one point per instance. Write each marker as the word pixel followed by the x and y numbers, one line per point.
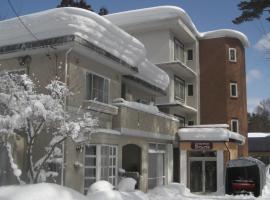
pixel 228 150
pixel 65 105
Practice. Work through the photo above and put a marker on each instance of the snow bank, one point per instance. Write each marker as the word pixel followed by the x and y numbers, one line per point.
pixel 127 185
pixel 42 191
pixel 135 17
pixel 104 191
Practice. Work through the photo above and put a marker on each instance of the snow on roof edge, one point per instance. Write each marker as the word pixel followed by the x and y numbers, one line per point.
pixel 209 134
pixel 258 135
pixel 170 12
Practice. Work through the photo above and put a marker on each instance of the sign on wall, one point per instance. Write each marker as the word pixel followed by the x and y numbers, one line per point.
pixel 202 145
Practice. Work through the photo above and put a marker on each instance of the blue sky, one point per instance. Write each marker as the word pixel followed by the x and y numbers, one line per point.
pixel 206 15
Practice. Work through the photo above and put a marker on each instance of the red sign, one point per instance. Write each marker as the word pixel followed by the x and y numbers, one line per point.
pixel 201 145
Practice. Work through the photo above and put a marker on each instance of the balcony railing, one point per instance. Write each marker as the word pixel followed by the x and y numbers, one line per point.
pixel 141 120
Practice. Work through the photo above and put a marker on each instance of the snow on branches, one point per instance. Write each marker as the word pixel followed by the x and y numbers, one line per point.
pixel 30 114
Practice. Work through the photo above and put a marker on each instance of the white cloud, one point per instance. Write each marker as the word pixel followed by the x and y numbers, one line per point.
pixel 263 43
pixel 253 74
pixel 252 103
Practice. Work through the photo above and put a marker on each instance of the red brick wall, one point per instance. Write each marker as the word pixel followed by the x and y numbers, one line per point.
pixel 216 73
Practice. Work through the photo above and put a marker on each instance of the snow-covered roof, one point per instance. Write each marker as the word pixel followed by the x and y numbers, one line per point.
pixel 258 135
pixel 89 26
pixel 135 17
pixel 209 134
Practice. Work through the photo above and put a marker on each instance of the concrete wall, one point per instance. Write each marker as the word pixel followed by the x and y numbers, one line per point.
pixel 74 177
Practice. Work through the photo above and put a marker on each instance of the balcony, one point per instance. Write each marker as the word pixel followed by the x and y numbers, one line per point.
pixel 139 120
pixel 178 67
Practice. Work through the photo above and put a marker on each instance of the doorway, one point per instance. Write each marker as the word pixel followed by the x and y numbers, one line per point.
pixel 202 174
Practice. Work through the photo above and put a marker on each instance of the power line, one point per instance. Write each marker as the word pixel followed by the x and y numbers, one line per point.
pixel 20 20
pixel 24 25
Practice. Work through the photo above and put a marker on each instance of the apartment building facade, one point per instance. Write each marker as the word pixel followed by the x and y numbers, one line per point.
pixel 199 90
pixel 138 72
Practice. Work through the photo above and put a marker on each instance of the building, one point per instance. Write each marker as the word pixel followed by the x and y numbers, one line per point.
pixel 139 72
pixel 207 86
pixel 259 146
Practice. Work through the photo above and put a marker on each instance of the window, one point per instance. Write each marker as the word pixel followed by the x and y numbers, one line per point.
pixel 190 90
pixel 190 122
pixel 97 88
pixel 181 120
pixel 190 54
pixel 232 54
pixel 179 89
pixel 233 90
pixel 178 50
pixel 156 165
pixel 100 163
pixel 235 125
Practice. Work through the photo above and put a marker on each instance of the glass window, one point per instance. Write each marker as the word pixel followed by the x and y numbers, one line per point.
pixel 190 90
pixel 107 155
pixel 235 125
pixel 233 90
pixel 156 165
pixel 178 50
pixel 232 54
pixel 179 89
pixel 190 54
pixel 190 122
pixel 97 88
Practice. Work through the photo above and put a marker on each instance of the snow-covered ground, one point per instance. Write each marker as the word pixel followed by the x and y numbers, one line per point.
pixel 103 190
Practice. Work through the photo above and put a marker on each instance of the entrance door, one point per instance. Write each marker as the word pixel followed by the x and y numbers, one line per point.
pixel 203 175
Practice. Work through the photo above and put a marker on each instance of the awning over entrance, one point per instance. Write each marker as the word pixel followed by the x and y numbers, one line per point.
pixel 209 133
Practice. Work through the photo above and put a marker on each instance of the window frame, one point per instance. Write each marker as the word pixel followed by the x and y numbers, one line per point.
pixel 176 78
pixel 237 125
pixel 233 84
pixel 88 92
pixel 178 44
pixel 188 85
pixel 188 55
pixel 98 164
pixel 235 55
pixel 192 122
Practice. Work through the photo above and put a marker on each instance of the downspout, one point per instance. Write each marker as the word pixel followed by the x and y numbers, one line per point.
pixel 65 106
pixel 228 150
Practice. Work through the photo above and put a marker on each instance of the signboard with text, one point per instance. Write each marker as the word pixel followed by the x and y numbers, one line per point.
pixel 202 146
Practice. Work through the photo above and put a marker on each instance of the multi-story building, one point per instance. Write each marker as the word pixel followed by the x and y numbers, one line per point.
pixel 207 86
pixel 142 88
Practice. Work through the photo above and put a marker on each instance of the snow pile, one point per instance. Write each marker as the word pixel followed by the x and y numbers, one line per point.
pixel 127 185
pixel 161 13
pixel 103 190
pixel 173 191
pixel 142 107
pixel 42 191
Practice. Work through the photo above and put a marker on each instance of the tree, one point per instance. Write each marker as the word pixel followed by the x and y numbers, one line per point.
pixel 259 121
pixel 82 4
pixel 252 9
pixel 26 113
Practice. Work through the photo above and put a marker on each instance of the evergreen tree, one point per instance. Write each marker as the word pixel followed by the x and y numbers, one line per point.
pixel 252 9
pixel 259 121
pixel 81 4
pixel 103 11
